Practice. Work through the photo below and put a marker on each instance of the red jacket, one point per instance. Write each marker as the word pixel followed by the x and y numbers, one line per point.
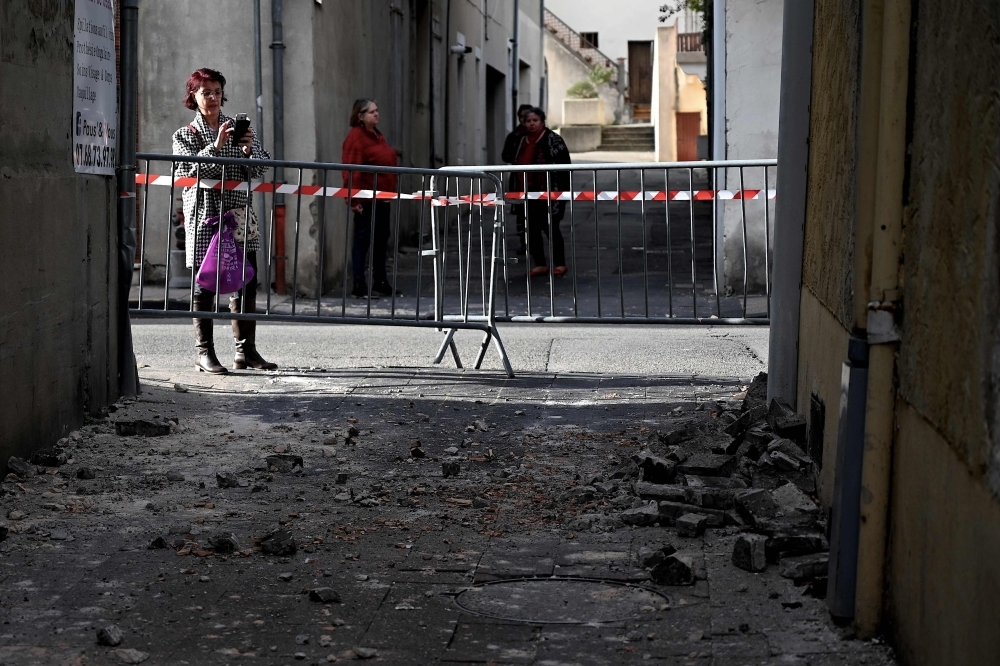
pixel 370 148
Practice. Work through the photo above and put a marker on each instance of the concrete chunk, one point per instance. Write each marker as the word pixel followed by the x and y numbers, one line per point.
pixel 785 422
pixel 708 464
pixel 641 516
pixel 142 428
pixel 788 545
pixel 791 500
pixel 650 557
pixel 671 511
pixel 755 505
pixel 750 552
pixel 20 467
pixel 656 491
pixel 656 469
pixel 805 568
pixel 691 524
pixel 674 570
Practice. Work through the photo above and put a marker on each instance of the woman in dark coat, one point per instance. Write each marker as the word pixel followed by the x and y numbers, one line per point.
pixel 208 135
pixel 540 145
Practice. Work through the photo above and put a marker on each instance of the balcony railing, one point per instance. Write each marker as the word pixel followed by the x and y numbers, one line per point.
pixel 689 42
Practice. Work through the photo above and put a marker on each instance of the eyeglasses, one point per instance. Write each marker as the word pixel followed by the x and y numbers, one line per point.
pixel 210 93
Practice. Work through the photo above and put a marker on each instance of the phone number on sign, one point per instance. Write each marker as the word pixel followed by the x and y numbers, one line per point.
pixel 93 155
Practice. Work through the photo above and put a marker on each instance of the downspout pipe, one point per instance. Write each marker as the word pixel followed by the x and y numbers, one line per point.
pixel 278 75
pixel 447 85
pixel 515 60
pixel 542 72
pixel 885 297
pixel 846 509
pixel 128 374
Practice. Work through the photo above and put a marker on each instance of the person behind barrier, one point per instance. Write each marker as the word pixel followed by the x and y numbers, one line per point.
pixel 209 135
pixel 365 144
pixel 540 145
pixel 513 140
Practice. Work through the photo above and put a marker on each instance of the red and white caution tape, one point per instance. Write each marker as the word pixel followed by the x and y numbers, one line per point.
pixel 485 199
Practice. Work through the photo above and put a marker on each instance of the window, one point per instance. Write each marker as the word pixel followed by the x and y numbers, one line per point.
pixel 588 40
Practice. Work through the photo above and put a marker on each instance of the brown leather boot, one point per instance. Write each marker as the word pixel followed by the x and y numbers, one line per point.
pixel 245 336
pixel 207 361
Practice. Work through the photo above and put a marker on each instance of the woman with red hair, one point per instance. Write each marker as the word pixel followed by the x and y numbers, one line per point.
pixel 210 134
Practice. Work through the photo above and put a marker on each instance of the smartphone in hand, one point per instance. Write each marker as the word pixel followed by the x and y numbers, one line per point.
pixel 241 128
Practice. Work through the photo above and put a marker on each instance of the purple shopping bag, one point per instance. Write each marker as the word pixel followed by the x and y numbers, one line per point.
pixel 225 260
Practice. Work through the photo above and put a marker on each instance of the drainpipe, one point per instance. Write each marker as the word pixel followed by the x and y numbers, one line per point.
pixel 515 60
pixel 542 71
pixel 846 509
pixel 128 375
pixel 278 75
pixel 447 84
pixel 885 296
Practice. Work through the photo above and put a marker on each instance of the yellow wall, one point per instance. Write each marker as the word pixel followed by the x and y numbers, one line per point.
pixel 822 351
pixel 944 563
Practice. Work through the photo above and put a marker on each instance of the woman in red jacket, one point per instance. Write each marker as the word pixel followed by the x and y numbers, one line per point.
pixel 366 145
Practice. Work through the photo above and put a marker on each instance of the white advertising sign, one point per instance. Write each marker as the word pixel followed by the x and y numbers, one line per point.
pixel 95 91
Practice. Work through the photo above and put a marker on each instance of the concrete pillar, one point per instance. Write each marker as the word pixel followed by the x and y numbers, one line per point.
pixel 790 211
pixel 665 93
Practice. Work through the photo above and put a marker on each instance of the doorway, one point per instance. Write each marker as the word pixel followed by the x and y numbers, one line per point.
pixel 640 79
pixel 496 114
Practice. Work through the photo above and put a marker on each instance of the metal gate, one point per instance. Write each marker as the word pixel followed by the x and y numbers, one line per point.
pixel 418 290
pixel 646 243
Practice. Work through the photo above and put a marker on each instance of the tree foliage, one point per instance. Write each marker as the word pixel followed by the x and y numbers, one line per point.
pixel 677 6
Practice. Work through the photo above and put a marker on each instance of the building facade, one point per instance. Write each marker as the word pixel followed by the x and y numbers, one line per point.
pixel 897 289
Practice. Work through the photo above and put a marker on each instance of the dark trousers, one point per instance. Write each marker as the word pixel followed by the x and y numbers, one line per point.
pixel 537 221
pixel 249 290
pixel 363 236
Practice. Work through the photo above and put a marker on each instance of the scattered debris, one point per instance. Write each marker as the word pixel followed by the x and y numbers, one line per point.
pixel 364 652
pixel 141 428
pixel 284 463
pixel 674 570
pixel 450 468
pixel 110 635
pixel 224 544
pixel 279 543
pixel 50 457
pixel 324 595
pixel 227 480
pixel 131 656
pixel 805 568
pixel 691 524
pixel 86 474
pixel 749 552
pixel 21 467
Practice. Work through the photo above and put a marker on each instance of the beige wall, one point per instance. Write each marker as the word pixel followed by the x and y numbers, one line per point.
pixel 665 89
pixel 335 53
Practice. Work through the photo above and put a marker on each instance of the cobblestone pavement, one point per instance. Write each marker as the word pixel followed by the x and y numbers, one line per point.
pixel 153 545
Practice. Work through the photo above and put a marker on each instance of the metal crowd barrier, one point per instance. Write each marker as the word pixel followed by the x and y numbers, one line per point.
pixel 442 224
pixel 646 243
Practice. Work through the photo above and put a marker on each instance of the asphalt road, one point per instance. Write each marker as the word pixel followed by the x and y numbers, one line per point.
pixel 707 352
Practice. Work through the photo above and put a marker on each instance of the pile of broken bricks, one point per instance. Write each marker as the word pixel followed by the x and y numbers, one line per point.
pixel 742 469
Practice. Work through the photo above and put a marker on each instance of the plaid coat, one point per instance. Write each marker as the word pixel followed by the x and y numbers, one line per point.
pixel 204 204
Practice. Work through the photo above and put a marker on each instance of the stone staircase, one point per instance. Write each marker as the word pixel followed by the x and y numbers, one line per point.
pixel 639 137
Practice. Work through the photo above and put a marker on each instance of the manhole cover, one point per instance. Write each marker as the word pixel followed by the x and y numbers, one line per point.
pixel 560 600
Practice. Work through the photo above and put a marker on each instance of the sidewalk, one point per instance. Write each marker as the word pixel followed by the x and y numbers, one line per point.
pixel 153 544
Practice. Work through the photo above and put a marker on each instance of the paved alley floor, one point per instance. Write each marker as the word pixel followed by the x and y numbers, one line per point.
pixel 363 504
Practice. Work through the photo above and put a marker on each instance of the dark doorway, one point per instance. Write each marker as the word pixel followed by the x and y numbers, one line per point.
pixel 640 78
pixel 688 129
pixel 496 114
